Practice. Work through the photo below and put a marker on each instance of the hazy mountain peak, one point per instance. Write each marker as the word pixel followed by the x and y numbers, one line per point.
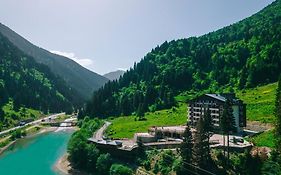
pixel 114 75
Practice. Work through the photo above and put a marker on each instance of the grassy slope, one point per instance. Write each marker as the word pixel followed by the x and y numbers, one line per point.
pixel 125 127
pixel 14 117
pixel 264 139
pixel 260 106
pixel 260 102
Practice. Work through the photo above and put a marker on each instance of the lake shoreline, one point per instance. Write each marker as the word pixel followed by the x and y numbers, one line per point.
pixel 63 166
pixel 44 130
pixel 62 157
pixel 2 150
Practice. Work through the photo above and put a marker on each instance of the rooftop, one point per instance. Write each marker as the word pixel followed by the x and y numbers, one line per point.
pixel 217 96
pixel 145 134
pixel 175 129
pixel 222 97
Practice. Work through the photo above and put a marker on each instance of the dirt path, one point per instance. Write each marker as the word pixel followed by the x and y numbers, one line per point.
pixel 258 126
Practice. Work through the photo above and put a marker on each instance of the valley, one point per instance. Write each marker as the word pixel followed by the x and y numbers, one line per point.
pixel 202 104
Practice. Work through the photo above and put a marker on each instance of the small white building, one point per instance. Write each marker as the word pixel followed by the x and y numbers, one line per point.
pixel 144 138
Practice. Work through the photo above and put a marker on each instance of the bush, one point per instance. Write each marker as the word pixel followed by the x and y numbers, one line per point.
pixel 117 169
pixel 103 163
pixel 18 134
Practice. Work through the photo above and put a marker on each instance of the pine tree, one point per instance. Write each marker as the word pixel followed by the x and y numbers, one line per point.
pixel 227 123
pixel 186 146
pixel 201 154
pixel 141 112
pixel 209 127
pixel 2 115
pixel 278 117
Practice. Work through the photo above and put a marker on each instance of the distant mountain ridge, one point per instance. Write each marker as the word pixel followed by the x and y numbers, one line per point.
pixel 115 75
pixel 76 76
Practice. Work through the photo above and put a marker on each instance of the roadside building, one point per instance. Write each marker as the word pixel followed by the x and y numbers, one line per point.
pixel 144 137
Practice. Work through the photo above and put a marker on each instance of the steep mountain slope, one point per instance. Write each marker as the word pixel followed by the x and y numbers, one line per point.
pixel 31 84
pixel 76 76
pixel 115 75
pixel 242 55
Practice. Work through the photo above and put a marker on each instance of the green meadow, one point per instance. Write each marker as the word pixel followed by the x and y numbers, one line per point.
pixel 260 107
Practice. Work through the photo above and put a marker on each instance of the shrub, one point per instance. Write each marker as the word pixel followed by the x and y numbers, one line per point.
pixel 117 169
pixel 103 163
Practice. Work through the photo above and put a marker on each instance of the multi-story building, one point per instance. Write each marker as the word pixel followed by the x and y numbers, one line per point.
pixel 215 104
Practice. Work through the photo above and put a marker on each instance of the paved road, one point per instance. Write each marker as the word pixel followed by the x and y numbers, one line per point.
pixel 99 133
pixel 54 116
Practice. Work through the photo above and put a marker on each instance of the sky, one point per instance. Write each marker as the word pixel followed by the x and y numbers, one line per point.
pixel 107 35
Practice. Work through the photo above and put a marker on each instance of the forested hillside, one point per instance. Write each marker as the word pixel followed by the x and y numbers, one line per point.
pixel 75 76
pixel 245 54
pixel 27 83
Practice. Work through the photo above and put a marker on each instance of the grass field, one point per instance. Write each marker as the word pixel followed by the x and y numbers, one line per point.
pixel 27 112
pixel 260 107
pixel 264 139
pixel 125 127
pixel 12 117
pixel 260 102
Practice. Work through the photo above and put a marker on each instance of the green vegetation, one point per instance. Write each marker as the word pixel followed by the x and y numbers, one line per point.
pixel 117 169
pixel 19 133
pixel 11 117
pixel 165 162
pixel 125 127
pixel 266 138
pixel 61 118
pixel 33 130
pixel 260 102
pixel 4 143
pixel 85 156
pixel 260 107
pixel 243 55
pixel 277 133
pixel 104 163
pixel 82 155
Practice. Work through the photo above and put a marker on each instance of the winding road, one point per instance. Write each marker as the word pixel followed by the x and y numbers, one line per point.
pixel 98 135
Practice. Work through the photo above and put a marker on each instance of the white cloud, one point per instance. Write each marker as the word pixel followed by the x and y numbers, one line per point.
pixel 123 69
pixel 82 61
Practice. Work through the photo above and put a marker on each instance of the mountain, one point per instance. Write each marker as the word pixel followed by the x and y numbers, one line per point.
pixel 245 54
pixel 115 75
pixel 76 76
pixel 30 84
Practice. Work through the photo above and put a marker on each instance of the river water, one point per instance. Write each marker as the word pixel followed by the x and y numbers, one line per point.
pixel 36 155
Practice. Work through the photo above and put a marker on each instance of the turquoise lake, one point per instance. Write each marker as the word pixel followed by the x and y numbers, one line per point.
pixel 36 155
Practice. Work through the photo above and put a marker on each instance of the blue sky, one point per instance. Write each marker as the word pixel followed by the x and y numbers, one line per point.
pixel 106 35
